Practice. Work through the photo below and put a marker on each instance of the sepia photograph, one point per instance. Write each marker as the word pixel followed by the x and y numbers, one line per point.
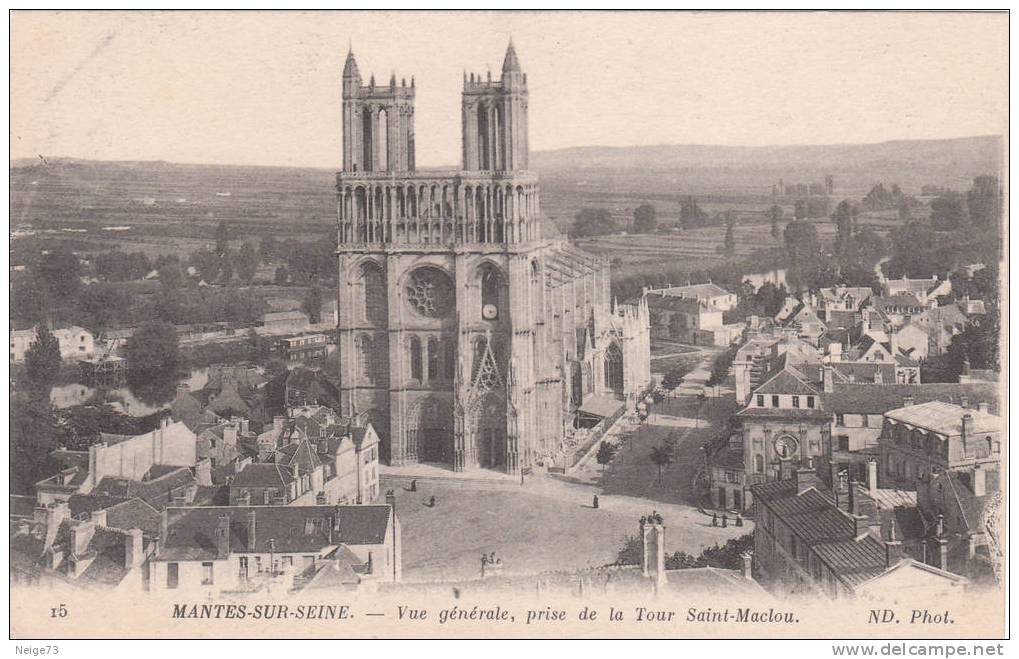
pixel 509 325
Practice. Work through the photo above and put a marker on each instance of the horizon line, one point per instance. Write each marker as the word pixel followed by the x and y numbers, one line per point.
pixel 37 157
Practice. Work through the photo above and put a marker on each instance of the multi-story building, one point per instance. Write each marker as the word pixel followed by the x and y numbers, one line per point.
pixel 806 544
pixel 75 343
pixel 920 440
pixel 467 336
pixel 243 548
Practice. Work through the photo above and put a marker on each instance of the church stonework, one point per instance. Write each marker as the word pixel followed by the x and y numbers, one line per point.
pixel 467 335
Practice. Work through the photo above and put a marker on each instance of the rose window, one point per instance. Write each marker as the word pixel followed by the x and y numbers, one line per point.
pixel 430 292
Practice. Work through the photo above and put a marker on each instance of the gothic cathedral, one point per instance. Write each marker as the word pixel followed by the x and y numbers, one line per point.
pixel 469 334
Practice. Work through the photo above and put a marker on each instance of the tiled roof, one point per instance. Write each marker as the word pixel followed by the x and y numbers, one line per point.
pixel 944 418
pixel 882 302
pixel 699 291
pixel 264 474
pixel 301 453
pixel 801 414
pixel 865 372
pixel 288 529
pixel 854 561
pixel 880 398
pixel 786 381
pixel 156 491
pixel 830 532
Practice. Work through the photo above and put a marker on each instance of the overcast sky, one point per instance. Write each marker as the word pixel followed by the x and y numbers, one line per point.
pixel 264 88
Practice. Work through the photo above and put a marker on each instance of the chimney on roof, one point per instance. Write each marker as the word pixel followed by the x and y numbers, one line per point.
pixel 134 548
pixel 979 479
pixel 81 536
pixel 805 479
pixel 872 477
pixel 828 377
pixel 223 536
pixel 983 407
pixel 747 566
pixel 203 472
pixel 652 534
pixel 183 388
pixel 250 530
pixel 942 553
pixel 98 517
pixel 50 517
pixel 907 401
pixel 893 552
pixel 230 435
pixel 967 427
pixel 963 401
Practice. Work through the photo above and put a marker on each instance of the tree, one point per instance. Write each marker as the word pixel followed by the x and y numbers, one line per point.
pixel 720 367
pixel 30 299
pixel 729 246
pixel 99 304
pixel 61 271
pixel 152 352
pixel 226 269
pixel 948 212
pixel 977 346
pixel 171 275
pixel 691 215
pixel 802 248
pixel 843 219
pixel 775 214
pixel 661 456
pixel 591 222
pixel 222 239
pixel 604 455
pixel 312 304
pixel 644 219
pixel 984 202
pixel 31 441
pixel 42 360
pixel 247 263
pixel 207 263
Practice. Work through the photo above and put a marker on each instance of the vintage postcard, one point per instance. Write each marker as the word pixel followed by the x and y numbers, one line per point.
pixel 508 325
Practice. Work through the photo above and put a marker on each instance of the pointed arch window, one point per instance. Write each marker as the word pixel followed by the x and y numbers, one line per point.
pixel 375 307
pixel 434 359
pixel 414 357
pixel 614 368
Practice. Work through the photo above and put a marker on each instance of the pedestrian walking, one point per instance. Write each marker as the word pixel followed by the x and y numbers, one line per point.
pixel 714 519
pixel 414 485
pixel 725 521
pixel 594 504
pixel 431 502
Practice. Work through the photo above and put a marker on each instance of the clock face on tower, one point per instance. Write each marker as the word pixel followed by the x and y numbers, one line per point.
pixel 785 446
pixel 430 292
pixel 489 312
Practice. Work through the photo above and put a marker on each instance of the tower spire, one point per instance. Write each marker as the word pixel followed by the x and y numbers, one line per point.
pixel 350 67
pixel 510 62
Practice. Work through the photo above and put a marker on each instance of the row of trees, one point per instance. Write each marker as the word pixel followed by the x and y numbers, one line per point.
pixel 727 557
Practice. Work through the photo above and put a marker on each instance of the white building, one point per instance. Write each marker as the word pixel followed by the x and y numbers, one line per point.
pixel 75 343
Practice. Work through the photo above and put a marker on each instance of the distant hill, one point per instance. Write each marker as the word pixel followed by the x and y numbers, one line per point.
pixel 719 169
pixel 188 200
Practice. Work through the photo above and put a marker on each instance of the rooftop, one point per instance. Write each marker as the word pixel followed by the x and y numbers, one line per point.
pixel 944 418
pixel 281 529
